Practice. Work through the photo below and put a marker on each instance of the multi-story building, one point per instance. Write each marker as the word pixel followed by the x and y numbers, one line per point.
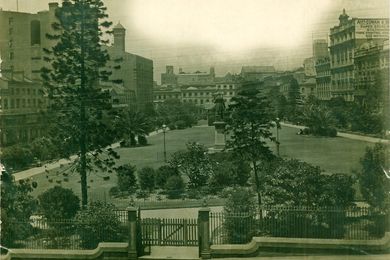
pixel 23 37
pixel 372 63
pixel 202 95
pixel 309 67
pixel 160 94
pixel 134 72
pixel 323 79
pixel 195 78
pixel 320 48
pixel 22 110
pixel 169 77
pixel 345 38
pixel 23 101
pixel 228 87
pixel 251 73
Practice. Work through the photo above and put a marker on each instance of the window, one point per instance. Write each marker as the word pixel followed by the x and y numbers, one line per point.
pixel 11 55
pixel 10 43
pixel 10 20
pixel 35 28
pixel 5 103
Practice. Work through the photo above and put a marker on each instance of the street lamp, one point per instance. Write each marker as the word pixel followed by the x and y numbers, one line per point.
pixel 164 128
pixel 277 137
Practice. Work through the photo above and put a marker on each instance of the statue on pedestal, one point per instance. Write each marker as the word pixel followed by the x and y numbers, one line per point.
pixel 219 124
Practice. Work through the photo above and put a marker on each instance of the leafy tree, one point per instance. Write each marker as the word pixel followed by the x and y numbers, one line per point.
pixel 163 173
pixel 59 203
pixel 126 178
pixel 339 110
pixel 374 184
pixel 173 110
pixel 251 118
pixel 174 187
pixel 228 171
pixel 75 66
pixel 195 163
pixel 99 223
pixel 239 217
pixel 17 205
pixel 131 124
pixel 17 156
pixel 146 178
pixel 44 149
pixel 296 183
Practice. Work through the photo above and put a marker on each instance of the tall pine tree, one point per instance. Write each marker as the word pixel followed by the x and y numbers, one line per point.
pixel 79 109
pixel 249 125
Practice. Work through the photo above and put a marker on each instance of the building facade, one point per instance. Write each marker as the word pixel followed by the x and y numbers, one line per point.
pixel 345 38
pixel 169 77
pixel 323 79
pixel 253 73
pixel 320 48
pixel 22 111
pixel 372 63
pixel 23 37
pixel 134 72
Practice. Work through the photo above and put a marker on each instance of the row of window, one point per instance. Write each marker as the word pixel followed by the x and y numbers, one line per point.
pixel 24 91
pixel 225 86
pixel 22 103
pixel 342 37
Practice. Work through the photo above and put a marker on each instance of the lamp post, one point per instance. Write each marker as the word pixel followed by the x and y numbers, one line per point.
pixel 277 137
pixel 164 128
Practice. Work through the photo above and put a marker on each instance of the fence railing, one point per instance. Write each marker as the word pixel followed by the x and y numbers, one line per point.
pixel 297 222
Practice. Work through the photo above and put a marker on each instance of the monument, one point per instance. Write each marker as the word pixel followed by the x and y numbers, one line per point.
pixel 219 125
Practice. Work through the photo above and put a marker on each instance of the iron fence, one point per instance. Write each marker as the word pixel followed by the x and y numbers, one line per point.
pixel 298 222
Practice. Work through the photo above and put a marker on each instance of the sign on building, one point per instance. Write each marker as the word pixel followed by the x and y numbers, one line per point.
pixel 371 28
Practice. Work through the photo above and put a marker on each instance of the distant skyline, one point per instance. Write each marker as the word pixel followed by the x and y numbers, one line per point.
pixel 226 34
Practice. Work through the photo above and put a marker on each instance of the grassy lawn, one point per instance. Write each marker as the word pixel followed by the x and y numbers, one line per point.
pixel 336 155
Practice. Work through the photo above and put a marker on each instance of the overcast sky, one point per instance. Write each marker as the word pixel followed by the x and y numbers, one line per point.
pixel 226 34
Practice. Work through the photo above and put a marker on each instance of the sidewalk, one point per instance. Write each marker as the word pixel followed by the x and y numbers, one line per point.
pixel 57 164
pixel 346 135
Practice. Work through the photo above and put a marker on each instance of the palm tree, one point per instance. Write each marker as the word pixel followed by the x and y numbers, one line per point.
pixel 318 118
pixel 131 124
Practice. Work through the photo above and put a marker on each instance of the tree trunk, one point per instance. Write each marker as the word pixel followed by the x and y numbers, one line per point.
pixel 257 182
pixel 82 141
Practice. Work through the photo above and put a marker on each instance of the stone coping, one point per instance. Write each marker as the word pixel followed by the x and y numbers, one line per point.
pixel 66 253
pixel 258 243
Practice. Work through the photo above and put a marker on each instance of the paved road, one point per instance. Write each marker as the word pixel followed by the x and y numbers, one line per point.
pixel 55 165
pixel 347 135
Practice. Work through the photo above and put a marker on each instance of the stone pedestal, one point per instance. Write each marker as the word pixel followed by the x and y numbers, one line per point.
pixel 220 137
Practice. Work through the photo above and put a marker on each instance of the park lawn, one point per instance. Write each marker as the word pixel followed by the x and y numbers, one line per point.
pixel 151 155
pixel 334 155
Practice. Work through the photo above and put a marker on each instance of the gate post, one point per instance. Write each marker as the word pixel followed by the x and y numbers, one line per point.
pixel 204 236
pixel 132 222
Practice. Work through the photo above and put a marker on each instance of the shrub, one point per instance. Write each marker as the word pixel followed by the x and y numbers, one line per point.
pixel 331 132
pixel 174 187
pixel 59 203
pixel 17 156
pixel 239 216
pixel 163 173
pixel 126 178
pixel 114 192
pixel 98 223
pixel 146 178
pixel 142 140
pixel 171 126
pixel 180 124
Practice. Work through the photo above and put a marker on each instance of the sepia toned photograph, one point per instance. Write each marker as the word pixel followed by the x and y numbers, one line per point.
pixel 194 129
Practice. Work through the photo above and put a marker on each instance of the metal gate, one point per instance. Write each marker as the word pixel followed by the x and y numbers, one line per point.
pixel 169 232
